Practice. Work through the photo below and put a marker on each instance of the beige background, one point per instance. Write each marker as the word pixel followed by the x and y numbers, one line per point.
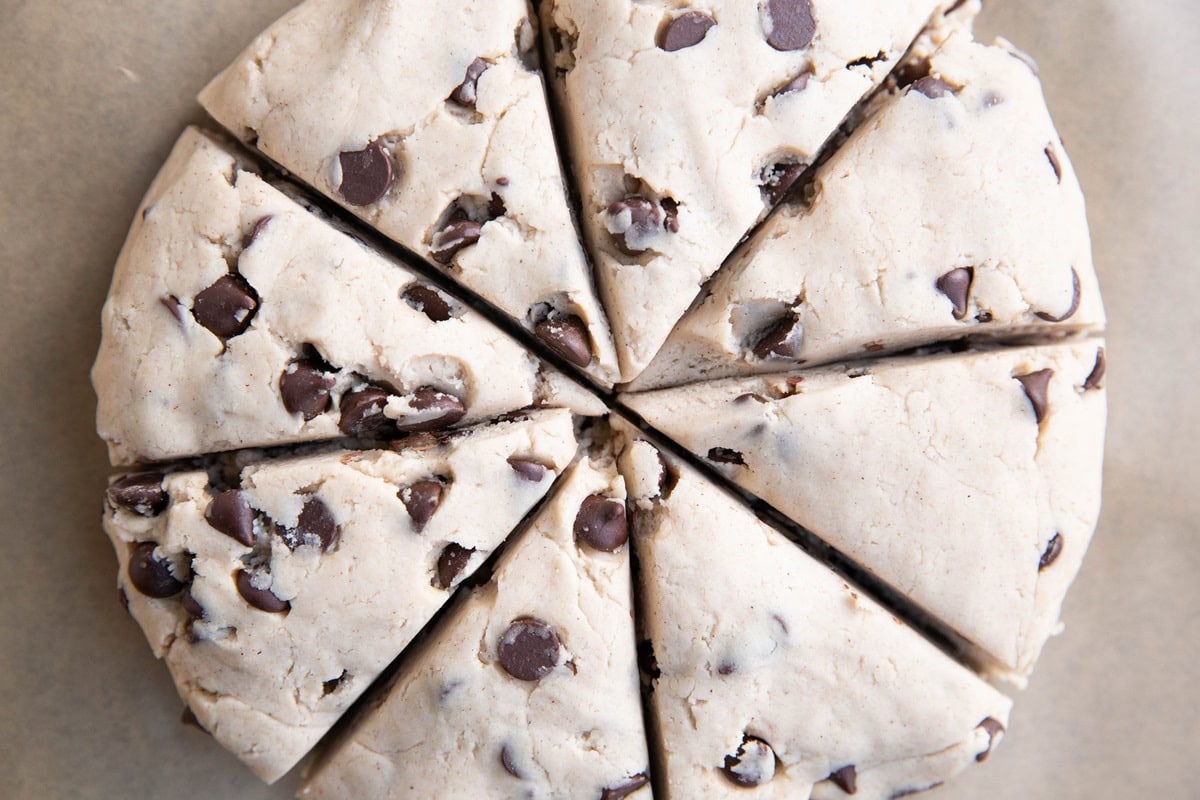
pixel 92 94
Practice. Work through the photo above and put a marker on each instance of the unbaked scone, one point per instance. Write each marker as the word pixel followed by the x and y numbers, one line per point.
pixel 428 119
pixel 687 123
pixel 953 211
pixel 773 678
pixel 529 688
pixel 970 482
pixel 237 318
pixel 276 601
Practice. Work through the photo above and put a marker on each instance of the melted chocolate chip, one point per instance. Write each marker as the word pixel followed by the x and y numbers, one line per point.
pixel 1052 157
pixel 506 761
pixel 457 235
pixel 686 30
pixel 956 285
pixel 227 307
pixel 467 92
pixel 1036 385
pixel 777 179
pixel 362 413
pixel 752 765
pixel 529 650
pixel 427 300
pixel 790 24
pixel 316 522
pixel 367 174
pixel 568 337
pixel 255 232
pixel 143 494
pixel 626 788
pixel 231 514
pixel 305 389
pixel 633 219
pixel 150 576
pixel 846 779
pixel 527 469
pixel 422 499
pixel 432 410
pixel 724 455
pixel 1052 552
pixel 1096 379
pixel 452 561
pixel 262 599
pixel 932 87
pixel 193 608
pixel 993 728
pixel 780 341
pixel 600 523
pixel 1070 312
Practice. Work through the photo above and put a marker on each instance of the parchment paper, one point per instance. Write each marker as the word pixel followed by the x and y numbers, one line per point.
pixel 92 95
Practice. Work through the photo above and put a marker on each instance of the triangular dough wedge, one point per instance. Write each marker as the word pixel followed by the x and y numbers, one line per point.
pixel 970 482
pixel 427 119
pixel 237 318
pixel 954 211
pixel 276 603
pixel 529 688
pixel 775 679
pixel 687 125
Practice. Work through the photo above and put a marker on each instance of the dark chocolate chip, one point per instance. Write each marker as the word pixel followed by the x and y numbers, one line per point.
pixel 796 84
pixel 330 686
pixel 451 563
pixel 777 179
pixel 529 649
pixel 790 24
pixel 1075 297
pixel 932 87
pixel 685 30
pixel 1036 385
pixel 1052 157
pixel 142 493
pixel 172 303
pixel 227 307
pixel 527 469
pixel 262 599
pixel 724 455
pixel 255 232
pixel 427 300
pixel 956 285
pixel 846 779
pixel 568 337
pixel 993 728
pixel 780 341
pixel 150 576
pixel 422 500
pixel 305 389
pixel 752 765
pixel 1096 379
pixel 628 787
pixel 432 410
pixel 749 396
pixel 600 523
pixel 362 413
pixel 466 93
pixel 367 174
pixel 457 235
pixel 316 522
pixel 506 761
pixel 193 608
pixel 1052 552
pixel 502 181
pixel 231 514
pixel 671 218
pixel 634 216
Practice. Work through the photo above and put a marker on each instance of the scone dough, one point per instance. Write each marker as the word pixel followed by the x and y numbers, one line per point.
pixel 482 710
pixel 954 211
pixel 442 101
pixel 970 482
pixel 775 679
pixel 338 561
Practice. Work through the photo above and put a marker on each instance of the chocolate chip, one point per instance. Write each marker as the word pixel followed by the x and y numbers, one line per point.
pixel 315 522
pixel 450 563
pixel 956 284
pixel 777 179
pixel 1036 385
pixel 1052 157
pixel 752 765
pixel 172 303
pixel 790 24
pixel 529 649
pixel 600 523
pixel 231 514
pixel 427 300
pixel 932 87
pixel 506 761
pixel 568 337
pixel 846 779
pixel 466 93
pixel 150 576
pixel 1096 379
pixel 255 232
pixel 628 787
pixel 780 341
pixel 1070 312
pixel 330 686
pixel 726 668
pixel 502 181
pixel 671 210
pixel 745 398
pixel 527 469
pixel 362 413
pixel 685 30
pixel 632 220
pixel 227 307
pixel 432 410
pixel 993 728
pixel 194 609
pixel 1052 552
pixel 456 236
pixel 142 493
pixel 796 84
pixel 724 455
pixel 262 599
pixel 422 500
pixel 367 174
pixel 305 389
